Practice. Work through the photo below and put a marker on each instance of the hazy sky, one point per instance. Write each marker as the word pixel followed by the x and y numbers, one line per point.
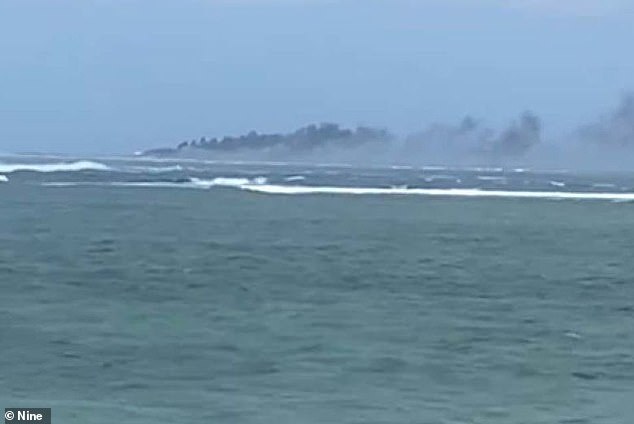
pixel 122 75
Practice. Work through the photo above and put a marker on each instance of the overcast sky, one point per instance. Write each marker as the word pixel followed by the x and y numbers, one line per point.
pixel 108 76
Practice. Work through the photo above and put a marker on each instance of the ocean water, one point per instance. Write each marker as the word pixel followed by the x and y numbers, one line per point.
pixel 142 292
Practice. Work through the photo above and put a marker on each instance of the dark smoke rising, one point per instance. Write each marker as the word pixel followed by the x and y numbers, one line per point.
pixel 615 130
pixel 519 137
pixel 440 140
pixel 606 144
pixel 471 141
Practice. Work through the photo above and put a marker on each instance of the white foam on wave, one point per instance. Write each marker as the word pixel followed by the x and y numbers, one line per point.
pixel 480 169
pixel 192 183
pixel 154 169
pixel 260 180
pixel 260 185
pixel 4 179
pixel 433 168
pixel 227 182
pixel 453 192
pixel 557 184
pixel 295 178
pixel 82 165
pixel 491 178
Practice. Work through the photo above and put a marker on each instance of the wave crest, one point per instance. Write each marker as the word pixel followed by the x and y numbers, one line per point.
pixel 260 185
pixel 452 192
pixel 82 165
pixel 227 182
pixel 154 169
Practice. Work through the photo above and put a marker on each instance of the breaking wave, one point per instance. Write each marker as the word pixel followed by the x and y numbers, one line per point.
pixel 82 165
pixel 4 179
pixel 452 192
pixel 154 169
pixel 261 185
pixel 227 182
pixel 187 183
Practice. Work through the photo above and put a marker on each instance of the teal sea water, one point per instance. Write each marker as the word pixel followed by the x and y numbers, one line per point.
pixel 144 293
